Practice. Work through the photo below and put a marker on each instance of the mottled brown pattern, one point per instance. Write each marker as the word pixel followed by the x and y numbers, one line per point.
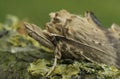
pixel 78 37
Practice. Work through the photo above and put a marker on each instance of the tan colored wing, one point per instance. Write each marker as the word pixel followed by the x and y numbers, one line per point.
pixel 78 34
pixel 36 33
pixel 87 31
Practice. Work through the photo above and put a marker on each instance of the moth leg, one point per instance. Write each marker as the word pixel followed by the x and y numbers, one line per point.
pixel 53 67
pixel 57 56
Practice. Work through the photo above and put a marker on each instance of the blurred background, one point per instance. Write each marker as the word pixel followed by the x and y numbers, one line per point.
pixel 108 11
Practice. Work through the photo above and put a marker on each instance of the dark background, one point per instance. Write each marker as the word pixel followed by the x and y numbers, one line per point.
pixel 108 11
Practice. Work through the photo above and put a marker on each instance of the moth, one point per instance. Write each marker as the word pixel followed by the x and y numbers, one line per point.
pixel 76 37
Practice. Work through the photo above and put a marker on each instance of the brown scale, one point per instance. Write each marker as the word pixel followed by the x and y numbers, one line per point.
pixel 84 35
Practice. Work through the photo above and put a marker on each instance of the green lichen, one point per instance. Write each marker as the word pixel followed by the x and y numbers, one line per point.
pixel 21 57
